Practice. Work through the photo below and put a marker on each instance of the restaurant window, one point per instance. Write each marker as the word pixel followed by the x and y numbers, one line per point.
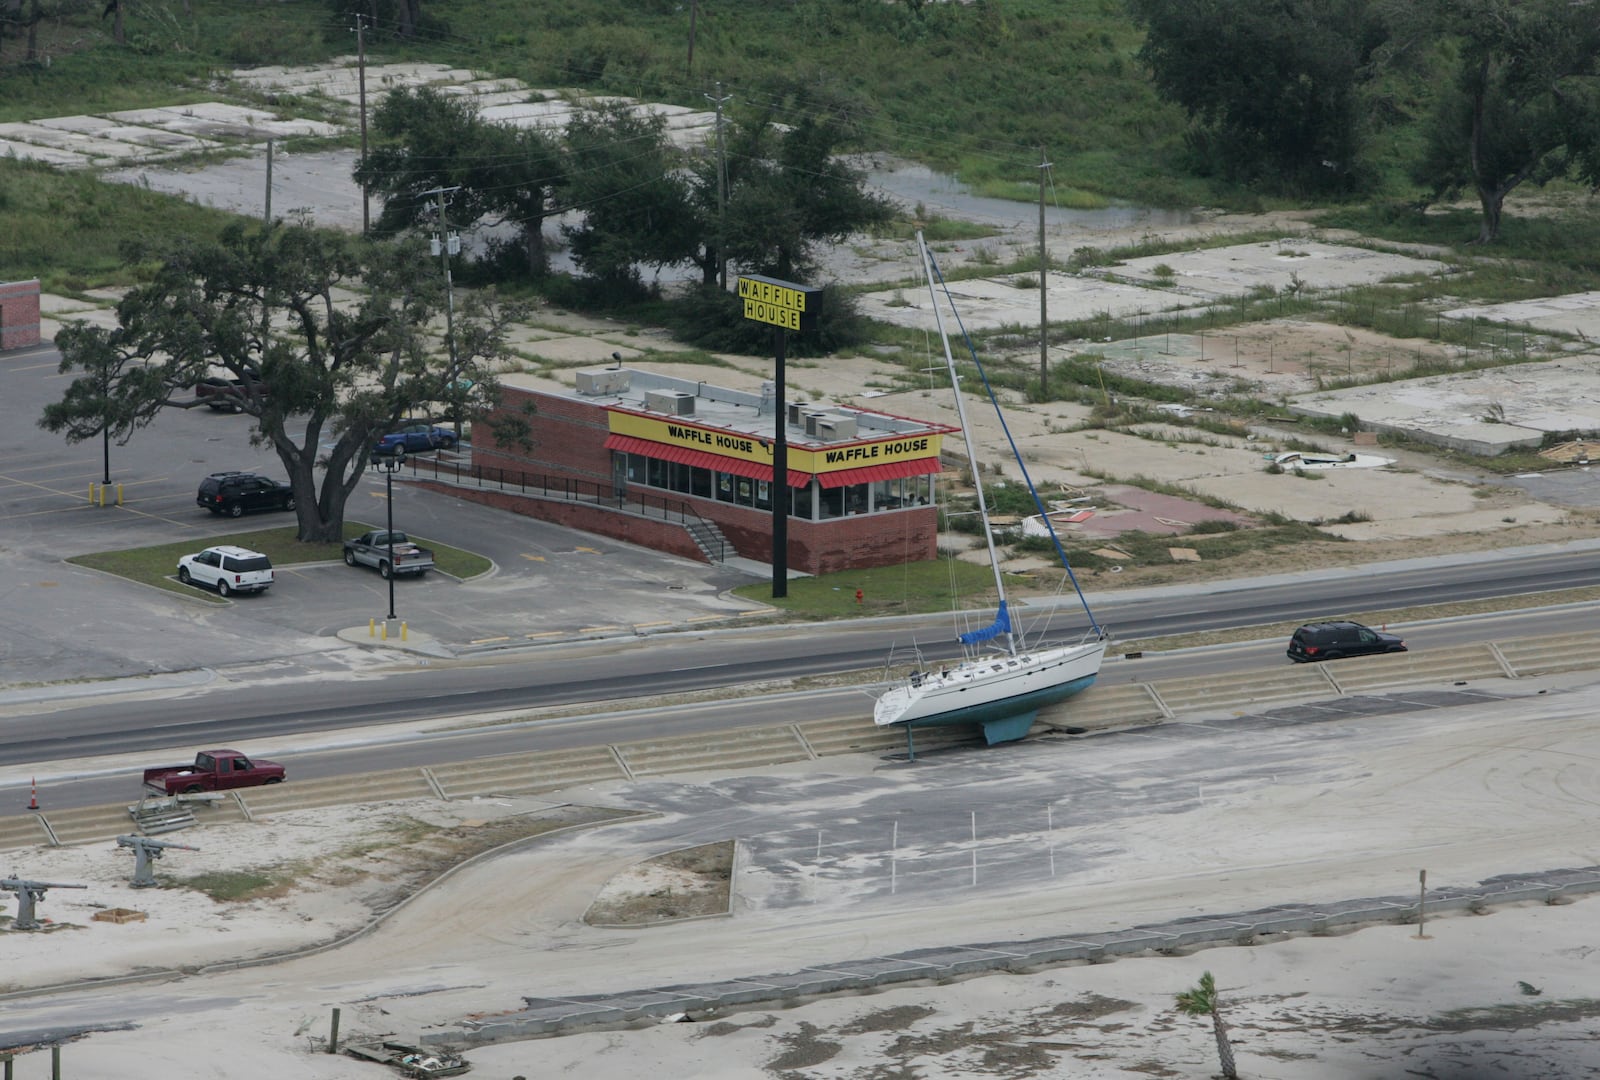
pixel 657 473
pixel 830 503
pixel 763 495
pixel 700 482
pixel 800 503
pixel 725 487
pixel 855 498
pixel 638 469
pixel 678 477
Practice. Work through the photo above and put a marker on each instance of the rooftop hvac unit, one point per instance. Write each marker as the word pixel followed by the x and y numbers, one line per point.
pixel 601 383
pixel 671 402
pixel 812 420
pixel 797 412
pixel 836 426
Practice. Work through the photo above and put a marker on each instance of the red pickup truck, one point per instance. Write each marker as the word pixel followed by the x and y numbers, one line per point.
pixel 213 770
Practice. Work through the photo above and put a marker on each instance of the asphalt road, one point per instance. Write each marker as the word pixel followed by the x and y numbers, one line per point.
pixel 271 665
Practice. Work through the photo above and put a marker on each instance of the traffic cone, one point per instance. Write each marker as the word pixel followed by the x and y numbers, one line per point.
pixel 33 795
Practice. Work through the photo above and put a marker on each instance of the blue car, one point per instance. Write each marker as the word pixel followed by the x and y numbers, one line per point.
pixel 416 439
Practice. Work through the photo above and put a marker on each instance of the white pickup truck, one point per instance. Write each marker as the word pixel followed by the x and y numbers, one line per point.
pixel 373 549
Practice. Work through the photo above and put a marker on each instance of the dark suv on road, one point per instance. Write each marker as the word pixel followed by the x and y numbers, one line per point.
pixel 1332 640
pixel 236 493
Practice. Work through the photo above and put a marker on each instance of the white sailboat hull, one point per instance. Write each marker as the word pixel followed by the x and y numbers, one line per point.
pixel 992 691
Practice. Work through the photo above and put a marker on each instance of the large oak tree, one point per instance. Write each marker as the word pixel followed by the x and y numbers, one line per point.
pixel 1273 88
pixel 1523 102
pixel 335 339
pixel 491 174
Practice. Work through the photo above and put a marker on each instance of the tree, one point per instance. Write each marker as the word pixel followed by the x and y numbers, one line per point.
pixel 90 407
pixel 788 190
pixel 501 175
pixel 1202 1001
pixel 274 303
pixel 39 11
pixel 1273 87
pixel 1524 103
pixel 624 175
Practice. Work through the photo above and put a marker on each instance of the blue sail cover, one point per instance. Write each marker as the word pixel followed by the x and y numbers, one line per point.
pixel 1001 625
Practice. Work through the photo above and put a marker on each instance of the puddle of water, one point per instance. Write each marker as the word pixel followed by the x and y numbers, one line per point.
pixel 911 184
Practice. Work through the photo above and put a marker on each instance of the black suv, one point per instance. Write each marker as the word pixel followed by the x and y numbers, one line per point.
pixel 1332 640
pixel 236 493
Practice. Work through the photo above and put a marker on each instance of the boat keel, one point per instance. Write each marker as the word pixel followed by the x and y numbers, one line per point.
pixel 1009 729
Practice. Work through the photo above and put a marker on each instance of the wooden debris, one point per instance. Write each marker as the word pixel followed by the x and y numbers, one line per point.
pixel 1573 453
pixel 1184 554
pixel 119 915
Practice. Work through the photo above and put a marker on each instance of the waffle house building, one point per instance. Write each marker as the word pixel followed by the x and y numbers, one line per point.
pixel 859 489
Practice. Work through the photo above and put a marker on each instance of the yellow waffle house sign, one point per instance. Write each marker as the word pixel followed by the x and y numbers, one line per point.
pixel 781 303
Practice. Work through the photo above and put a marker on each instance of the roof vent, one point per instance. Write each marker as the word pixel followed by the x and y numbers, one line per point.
pixel 608 382
pixel 671 402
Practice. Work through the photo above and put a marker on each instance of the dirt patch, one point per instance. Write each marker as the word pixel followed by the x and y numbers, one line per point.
pixel 687 884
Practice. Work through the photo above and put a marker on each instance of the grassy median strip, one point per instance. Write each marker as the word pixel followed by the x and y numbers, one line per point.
pixel 158 565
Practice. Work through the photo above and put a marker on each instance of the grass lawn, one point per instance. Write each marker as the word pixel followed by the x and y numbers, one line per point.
pixel 158 565
pixel 912 589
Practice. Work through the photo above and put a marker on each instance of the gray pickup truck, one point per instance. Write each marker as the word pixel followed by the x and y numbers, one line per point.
pixel 373 549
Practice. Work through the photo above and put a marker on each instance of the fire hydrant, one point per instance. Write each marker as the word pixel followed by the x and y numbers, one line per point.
pixel 859 595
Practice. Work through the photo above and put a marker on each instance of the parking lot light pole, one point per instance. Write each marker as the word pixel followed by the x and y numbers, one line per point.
pixel 390 464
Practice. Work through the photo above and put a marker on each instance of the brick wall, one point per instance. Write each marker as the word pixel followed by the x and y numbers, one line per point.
pixel 652 533
pixel 826 547
pixel 19 314
pixel 568 438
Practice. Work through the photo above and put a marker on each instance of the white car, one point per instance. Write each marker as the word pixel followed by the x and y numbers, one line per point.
pixel 227 569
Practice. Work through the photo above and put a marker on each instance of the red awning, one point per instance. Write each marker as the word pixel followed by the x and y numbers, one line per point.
pixel 683 455
pixel 893 470
pixel 755 470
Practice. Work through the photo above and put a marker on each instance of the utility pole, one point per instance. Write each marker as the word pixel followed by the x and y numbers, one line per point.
pixel 266 297
pixel 447 245
pixel 694 12
pixel 266 213
pixel 361 81
pixel 1044 291
pixel 722 190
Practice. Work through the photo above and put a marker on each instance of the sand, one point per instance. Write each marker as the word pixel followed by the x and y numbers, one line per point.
pixel 1498 787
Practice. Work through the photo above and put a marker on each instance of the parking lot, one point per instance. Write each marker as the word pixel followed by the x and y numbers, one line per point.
pixel 547 580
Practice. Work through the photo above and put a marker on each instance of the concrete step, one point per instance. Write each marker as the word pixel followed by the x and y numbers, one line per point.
pixel 850 735
pixel 540 770
pixel 1197 692
pixel 1104 706
pixel 1547 655
pixel 336 791
pixel 731 750
pixel 18 831
pixel 1457 663
pixel 90 824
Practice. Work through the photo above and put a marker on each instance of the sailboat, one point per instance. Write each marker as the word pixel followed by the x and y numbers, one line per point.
pixel 999 683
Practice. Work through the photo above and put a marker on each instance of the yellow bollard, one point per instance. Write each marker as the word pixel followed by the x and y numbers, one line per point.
pixel 91 492
pixel 402 631
pixel 102 494
pixel 372 627
pixel 119 493
pixel 386 630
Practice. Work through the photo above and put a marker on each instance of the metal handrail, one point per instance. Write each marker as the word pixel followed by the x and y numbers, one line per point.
pixel 565 488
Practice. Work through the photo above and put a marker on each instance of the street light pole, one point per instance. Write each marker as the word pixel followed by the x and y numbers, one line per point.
pixel 390 464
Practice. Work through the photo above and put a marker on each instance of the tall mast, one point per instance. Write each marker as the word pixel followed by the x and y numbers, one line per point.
pixel 966 435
